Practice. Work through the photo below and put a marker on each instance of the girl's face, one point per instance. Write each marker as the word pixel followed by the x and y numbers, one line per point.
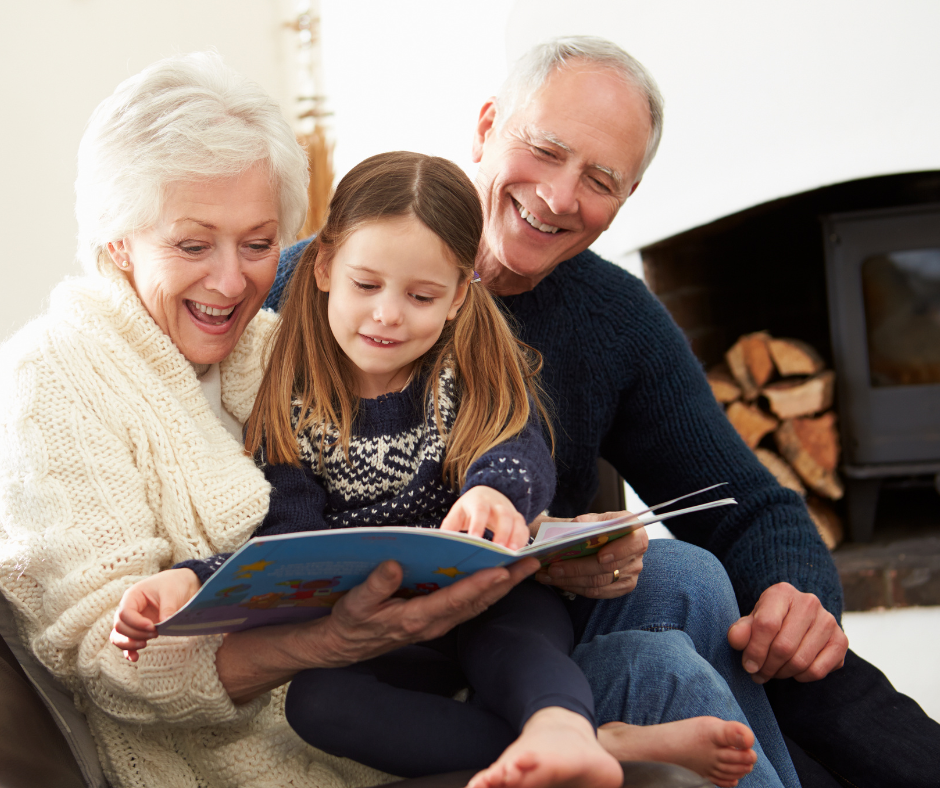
pixel 393 285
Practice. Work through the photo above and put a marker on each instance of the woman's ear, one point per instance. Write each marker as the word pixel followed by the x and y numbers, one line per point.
pixel 120 254
pixel 459 297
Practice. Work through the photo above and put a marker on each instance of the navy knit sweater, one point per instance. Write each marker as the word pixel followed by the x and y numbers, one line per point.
pixel 625 386
pixel 394 473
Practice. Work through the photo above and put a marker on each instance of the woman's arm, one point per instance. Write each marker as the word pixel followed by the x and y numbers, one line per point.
pixel 84 516
pixel 365 623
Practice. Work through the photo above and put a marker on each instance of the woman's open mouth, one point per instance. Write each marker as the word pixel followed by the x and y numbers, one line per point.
pixel 210 315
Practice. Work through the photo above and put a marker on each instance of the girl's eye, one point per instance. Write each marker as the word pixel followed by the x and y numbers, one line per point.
pixel 363 285
pixel 423 299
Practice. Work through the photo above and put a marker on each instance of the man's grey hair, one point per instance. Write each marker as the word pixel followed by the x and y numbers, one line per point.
pixel 535 66
pixel 184 119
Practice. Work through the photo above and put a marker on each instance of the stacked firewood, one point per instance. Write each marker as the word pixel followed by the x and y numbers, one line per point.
pixel 778 395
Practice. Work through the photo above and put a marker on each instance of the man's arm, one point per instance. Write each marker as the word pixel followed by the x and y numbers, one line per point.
pixel 669 436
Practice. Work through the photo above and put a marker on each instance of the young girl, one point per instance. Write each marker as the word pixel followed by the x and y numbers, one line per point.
pixel 397 394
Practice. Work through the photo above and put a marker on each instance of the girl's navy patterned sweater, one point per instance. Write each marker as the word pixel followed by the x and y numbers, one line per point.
pixel 625 386
pixel 394 473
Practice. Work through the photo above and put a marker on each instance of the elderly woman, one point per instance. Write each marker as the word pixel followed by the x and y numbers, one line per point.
pixel 122 429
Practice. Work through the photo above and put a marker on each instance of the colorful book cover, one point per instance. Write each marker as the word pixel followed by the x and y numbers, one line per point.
pixel 296 577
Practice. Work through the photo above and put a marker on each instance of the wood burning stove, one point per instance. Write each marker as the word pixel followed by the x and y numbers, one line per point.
pixel 883 285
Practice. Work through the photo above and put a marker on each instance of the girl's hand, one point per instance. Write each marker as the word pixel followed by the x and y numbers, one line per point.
pixel 148 602
pixel 483 507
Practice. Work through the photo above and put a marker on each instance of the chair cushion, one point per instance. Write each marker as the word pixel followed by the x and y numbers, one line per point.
pixel 22 715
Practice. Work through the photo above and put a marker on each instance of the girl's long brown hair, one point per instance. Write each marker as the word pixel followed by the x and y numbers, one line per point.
pixel 496 374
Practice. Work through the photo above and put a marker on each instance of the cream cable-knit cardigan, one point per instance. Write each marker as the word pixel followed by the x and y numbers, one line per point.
pixel 113 467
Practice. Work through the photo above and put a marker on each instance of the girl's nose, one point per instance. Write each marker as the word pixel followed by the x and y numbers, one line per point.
pixel 388 312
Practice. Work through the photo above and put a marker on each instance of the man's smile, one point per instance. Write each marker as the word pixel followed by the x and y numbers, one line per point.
pixel 524 213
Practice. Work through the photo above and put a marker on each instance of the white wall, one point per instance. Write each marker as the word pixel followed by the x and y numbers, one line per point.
pixel 58 60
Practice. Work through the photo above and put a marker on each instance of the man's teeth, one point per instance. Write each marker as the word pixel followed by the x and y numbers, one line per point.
pixel 545 228
pixel 211 310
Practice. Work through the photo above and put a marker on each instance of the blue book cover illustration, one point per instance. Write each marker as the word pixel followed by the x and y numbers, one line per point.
pixel 296 577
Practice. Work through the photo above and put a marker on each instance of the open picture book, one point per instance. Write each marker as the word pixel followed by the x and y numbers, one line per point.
pixel 295 577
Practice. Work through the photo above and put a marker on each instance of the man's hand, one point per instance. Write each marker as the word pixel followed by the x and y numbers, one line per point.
pixel 789 634
pixel 593 576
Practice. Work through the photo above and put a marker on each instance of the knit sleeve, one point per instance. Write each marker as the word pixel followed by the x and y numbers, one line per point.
pixel 298 501
pixel 285 268
pixel 79 524
pixel 520 468
pixel 670 437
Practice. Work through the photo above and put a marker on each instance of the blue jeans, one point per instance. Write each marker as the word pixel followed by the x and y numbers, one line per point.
pixel 661 654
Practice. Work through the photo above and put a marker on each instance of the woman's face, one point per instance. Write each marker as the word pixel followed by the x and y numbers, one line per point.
pixel 204 269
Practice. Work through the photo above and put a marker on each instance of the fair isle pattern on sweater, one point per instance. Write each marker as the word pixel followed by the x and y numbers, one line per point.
pixel 396 454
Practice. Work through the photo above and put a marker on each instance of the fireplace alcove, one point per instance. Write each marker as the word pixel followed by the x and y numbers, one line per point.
pixel 765 269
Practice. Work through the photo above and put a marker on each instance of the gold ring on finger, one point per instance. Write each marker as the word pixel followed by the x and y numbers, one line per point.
pixel 616 576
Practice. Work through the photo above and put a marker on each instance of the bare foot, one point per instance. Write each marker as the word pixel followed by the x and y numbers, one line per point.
pixel 556 748
pixel 717 749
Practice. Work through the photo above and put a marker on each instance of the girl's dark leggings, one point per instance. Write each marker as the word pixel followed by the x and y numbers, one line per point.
pixel 396 713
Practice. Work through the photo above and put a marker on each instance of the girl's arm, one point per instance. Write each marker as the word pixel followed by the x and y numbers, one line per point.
pixel 521 469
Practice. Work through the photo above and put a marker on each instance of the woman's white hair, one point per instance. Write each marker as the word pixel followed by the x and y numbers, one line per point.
pixel 183 119
pixel 535 66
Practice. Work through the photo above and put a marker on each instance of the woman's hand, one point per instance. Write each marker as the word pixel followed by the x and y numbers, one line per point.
pixel 593 576
pixel 483 507
pixel 147 603
pixel 365 623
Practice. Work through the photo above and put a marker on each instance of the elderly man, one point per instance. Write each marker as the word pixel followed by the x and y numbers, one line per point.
pixel 560 149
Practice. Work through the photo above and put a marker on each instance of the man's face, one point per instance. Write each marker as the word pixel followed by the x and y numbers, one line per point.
pixel 553 179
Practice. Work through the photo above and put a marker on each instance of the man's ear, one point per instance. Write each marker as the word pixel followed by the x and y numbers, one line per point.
pixel 321 272
pixel 460 296
pixel 484 128
pixel 633 189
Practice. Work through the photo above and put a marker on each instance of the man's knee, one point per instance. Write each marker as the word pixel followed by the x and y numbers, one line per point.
pixel 642 677
pixel 691 573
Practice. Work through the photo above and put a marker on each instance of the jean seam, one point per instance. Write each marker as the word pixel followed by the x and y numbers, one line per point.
pixel 663 627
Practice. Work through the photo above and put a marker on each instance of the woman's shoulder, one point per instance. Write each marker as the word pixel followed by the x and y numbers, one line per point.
pixel 75 309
